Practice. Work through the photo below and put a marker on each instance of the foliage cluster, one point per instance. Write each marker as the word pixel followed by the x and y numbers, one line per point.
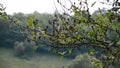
pixel 24 49
pixel 84 61
pixel 81 61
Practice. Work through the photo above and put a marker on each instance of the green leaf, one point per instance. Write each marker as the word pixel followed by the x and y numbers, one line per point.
pixel 78 37
pixel 36 47
pixel 39 24
pixel 118 47
pixel 99 37
pixel 74 8
pixel 43 32
pixel 114 38
pixel 33 33
pixel 30 22
pixel 70 51
pixel 35 38
pixel 63 22
pixel 82 19
pixel 61 53
pixel 100 15
pixel 92 52
pixel 96 62
pixel 16 20
pixel 109 53
pixel 62 41
pixel 77 13
pixel 92 33
pixel 102 46
pixel 69 39
pixel 54 51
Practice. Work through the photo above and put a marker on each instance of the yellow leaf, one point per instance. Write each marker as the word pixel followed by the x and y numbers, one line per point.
pixel 43 32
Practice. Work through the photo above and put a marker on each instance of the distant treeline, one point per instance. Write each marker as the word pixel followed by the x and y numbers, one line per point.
pixel 9 32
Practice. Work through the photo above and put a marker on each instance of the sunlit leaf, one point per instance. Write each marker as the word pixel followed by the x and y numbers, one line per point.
pixel 61 53
pixel 78 37
pixel 43 32
pixel 30 22
pixel 16 20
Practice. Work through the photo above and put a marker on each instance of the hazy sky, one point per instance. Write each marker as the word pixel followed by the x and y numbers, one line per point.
pixel 29 6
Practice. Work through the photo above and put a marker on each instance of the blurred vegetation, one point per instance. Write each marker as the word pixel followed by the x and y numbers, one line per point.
pixel 81 61
pixel 63 34
pixel 24 49
pixel 84 61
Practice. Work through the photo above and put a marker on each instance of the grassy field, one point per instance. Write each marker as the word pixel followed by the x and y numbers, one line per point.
pixel 9 60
